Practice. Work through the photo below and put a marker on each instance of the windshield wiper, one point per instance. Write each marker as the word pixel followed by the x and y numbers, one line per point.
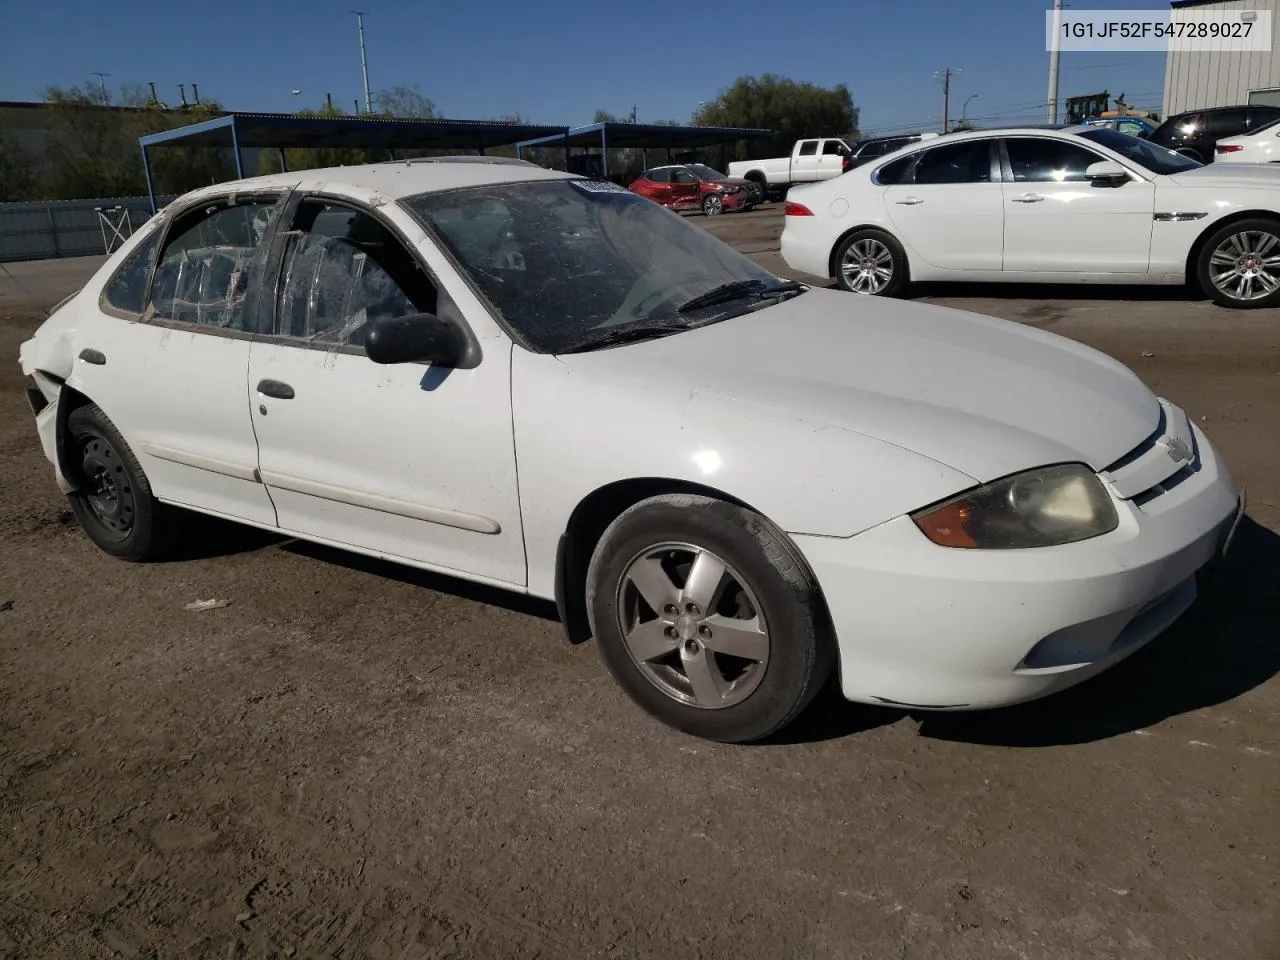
pixel 736 291
pixel 630 335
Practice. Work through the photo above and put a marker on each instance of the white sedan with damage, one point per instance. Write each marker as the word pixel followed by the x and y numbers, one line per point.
pixel 1078 205
pixel 736 484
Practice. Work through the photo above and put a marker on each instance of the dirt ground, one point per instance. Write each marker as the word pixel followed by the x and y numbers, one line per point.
pixel 357 760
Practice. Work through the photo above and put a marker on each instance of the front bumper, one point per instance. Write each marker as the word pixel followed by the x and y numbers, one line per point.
pixel 938 628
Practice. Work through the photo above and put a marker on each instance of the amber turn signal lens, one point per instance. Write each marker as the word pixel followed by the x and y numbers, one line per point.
pixel 946 526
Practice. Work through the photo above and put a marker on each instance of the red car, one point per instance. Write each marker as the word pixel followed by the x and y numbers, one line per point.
pixel 695 186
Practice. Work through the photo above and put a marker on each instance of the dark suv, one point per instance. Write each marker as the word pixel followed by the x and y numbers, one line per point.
pixel 871 149
pixel 1196 132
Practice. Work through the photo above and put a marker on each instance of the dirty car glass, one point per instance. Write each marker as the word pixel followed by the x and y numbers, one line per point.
pixel 565 261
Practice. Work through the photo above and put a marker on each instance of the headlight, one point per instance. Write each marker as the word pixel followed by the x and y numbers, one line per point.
pixel 1040 508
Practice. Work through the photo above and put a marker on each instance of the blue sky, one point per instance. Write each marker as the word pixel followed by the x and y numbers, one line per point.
pixel 557 61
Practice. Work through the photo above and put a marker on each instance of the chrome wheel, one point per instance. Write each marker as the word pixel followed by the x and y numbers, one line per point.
pixel 867 266
pixel 692 625
pixel 1246 265
pixel 712 205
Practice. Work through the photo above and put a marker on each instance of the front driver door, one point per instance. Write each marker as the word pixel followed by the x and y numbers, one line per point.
pixel 403 461
pixel 1056 221
pixel 948 209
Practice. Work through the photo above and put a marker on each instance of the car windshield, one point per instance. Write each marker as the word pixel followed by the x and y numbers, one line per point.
pixel 568 263
pixel 703 172
pixel 1155 158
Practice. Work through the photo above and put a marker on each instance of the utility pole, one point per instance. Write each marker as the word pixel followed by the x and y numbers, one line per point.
pixel 102 79
pixel 945 76
pixel 1055 53
pixel 364 62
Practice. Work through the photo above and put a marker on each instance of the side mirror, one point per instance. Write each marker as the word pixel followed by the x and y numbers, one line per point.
pixel 417 338
pixel 1106 171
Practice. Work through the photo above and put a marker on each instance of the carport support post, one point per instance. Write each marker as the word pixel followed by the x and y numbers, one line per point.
pixel 604 151
pixel 235 145
pixel 284 164
pixel 146 172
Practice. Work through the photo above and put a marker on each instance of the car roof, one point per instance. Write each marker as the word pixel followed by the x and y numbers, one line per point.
pixel 396 179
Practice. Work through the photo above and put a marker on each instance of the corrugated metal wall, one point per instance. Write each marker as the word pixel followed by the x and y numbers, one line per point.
pixel 1193 81
pixel 67 228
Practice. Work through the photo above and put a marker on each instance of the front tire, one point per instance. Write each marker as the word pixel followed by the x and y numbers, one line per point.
pixel 708 618
pixel 872 263
pixel 1239 265
pixel 113 503
pixel 712 205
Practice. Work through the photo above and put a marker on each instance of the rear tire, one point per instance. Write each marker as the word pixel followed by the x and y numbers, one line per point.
pixel 708 618
pixel 113 503
pixel 872 263
pixel 1239 264
pixel 1189 152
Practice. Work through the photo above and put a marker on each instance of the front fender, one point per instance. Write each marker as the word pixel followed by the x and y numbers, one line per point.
pixel 575 436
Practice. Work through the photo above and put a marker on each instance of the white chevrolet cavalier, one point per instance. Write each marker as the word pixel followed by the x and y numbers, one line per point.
pixel 735 483
pixel 1080 205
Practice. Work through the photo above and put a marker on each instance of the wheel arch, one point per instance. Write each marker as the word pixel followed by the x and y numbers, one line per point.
pixel 1193 255
pixel 588 522
pixel 69 399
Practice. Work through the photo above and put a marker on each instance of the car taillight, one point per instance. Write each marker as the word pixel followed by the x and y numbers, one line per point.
pixel 794 209
pixel 1229 147
pixel 846 165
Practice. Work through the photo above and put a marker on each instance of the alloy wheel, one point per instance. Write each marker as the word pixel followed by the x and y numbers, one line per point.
pixel 867 266
pixel 693 625
pixel 712 205
pixel 1246 265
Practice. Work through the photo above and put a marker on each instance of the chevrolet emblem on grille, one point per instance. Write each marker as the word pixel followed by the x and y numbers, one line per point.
pixel 1178 449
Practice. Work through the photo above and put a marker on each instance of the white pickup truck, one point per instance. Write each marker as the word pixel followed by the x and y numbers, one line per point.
pixel 810 160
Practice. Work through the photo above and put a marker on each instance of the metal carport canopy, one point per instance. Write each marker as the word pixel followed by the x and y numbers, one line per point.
pixel 283 130
pixel 610 134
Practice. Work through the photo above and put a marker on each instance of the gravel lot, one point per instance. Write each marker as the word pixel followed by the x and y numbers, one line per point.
pixel 357 760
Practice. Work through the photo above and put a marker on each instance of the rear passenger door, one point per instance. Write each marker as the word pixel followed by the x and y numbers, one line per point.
pixel 804 165
pixel 168 362
pixel 946 204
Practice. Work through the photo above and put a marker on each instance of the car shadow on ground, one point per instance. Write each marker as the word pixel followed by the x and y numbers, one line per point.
pixel 440 583
pixel 1223 647
pixel 1055 291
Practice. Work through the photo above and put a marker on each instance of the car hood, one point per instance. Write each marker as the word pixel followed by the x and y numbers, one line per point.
pixel 1230 175
pixel 984 396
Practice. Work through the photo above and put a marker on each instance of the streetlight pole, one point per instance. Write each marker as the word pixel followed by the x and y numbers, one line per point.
pixel 364 62
pixel 1055 54
pixel 102 79
pixel 964 111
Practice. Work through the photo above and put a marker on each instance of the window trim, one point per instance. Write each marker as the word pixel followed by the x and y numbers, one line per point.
pixel 994 154
pixel 149 231
pixel 273 276
pixel 172 215
pixel 1006 165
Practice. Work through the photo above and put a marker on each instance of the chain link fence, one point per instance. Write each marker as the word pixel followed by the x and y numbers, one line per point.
pixel 70 228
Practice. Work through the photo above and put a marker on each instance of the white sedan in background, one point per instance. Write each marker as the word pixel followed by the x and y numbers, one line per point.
pixel 1257 146
pixel 1079 205
pixel 549 384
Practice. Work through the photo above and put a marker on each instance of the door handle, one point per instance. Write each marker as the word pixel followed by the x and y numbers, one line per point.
pixel 274 388
pixel 1028 198
pixel 910 201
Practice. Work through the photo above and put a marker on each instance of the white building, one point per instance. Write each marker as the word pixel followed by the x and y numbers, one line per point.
pixel 1197 80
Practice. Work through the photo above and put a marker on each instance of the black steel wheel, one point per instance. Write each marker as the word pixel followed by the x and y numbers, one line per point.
pixel 113 503
pixel 708 617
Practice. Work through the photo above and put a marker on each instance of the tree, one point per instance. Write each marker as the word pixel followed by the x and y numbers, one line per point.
pixel 793 110
pixel 17 172
pixel 404 101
